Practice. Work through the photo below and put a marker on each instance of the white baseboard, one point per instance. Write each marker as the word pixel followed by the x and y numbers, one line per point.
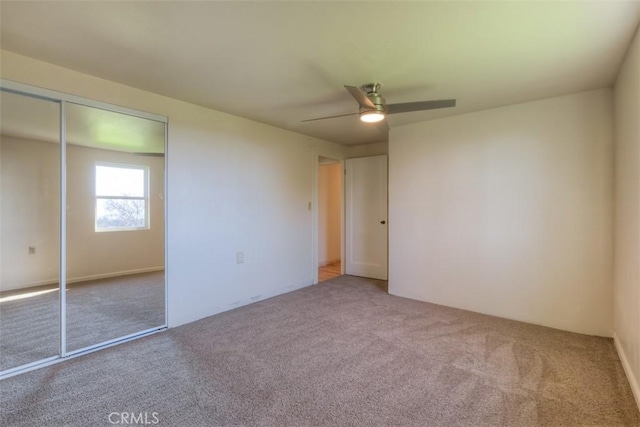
pixel 175 320
pixel 113 274
pixel 83 278
pixel 635 388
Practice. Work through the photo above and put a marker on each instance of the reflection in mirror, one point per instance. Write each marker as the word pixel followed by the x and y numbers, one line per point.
pixel 29 229
pixel 115 225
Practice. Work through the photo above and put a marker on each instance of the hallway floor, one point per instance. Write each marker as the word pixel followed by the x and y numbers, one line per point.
pixel 329 271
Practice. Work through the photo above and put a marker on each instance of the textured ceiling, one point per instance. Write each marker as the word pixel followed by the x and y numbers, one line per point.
pixel 283 62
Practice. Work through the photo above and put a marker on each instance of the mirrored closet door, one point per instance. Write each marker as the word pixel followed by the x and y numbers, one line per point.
pixel 115 225
pixel 82 225
pixel 29 229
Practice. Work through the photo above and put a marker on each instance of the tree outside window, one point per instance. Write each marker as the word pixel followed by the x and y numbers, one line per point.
pixel 122 197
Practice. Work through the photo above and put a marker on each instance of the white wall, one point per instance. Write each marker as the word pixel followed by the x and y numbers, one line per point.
pixel 234 185
pixel 329 212
pixel 31 193
pixel 367 150
pixel 627 219
pixel 508 212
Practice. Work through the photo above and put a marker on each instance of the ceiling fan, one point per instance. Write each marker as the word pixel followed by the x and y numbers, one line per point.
pixel 374 109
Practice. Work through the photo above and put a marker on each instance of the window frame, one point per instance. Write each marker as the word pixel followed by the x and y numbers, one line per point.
pixel 145 197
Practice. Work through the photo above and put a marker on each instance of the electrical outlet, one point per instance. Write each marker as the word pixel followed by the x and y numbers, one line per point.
pixel 32 250
pixel 240 258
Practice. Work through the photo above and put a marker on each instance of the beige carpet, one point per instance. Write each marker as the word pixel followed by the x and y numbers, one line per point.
pixel 343 353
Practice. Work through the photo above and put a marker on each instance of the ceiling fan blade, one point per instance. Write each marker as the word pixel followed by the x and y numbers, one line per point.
pixel 362 99
pixel 330 117
pixel 420 106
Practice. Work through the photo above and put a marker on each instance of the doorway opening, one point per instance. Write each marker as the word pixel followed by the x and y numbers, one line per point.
pixel 330 214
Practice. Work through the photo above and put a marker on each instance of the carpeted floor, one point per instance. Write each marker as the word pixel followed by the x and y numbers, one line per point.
pixel 342 353
pixel 97 311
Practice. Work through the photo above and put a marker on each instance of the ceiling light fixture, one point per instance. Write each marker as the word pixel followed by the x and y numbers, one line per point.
pixel 372 116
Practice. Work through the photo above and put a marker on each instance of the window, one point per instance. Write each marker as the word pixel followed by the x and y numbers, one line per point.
pixel 122 197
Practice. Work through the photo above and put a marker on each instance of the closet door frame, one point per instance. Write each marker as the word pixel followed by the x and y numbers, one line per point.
pixel 63 99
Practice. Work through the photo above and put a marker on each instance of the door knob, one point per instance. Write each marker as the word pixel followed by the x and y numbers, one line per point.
pixel 383 222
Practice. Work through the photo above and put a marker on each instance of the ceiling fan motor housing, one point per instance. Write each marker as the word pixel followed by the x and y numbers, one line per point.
pixel 373 93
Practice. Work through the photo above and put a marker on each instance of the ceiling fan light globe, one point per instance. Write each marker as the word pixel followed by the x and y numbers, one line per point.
pixel 372 116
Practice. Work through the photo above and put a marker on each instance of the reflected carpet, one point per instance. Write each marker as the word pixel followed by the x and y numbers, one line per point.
pixel 97 311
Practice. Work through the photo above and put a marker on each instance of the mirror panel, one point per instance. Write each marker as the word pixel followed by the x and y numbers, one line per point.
pixel 115 225
pixel 29 229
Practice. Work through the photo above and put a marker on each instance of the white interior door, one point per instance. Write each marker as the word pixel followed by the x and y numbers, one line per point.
pixel 366 217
